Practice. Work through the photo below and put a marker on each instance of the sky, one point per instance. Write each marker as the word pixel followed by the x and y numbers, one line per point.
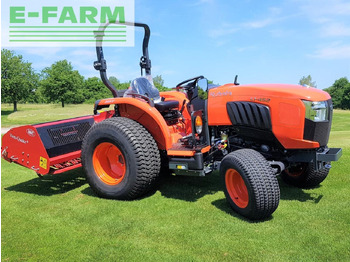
pixel 260 41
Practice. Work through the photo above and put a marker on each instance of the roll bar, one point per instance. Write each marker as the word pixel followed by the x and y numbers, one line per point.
pixel 101 63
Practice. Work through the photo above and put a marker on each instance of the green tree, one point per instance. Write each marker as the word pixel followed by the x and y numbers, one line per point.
pixel 346 97
pixel 60 83
pixel 118 85
pixel 340 93
pixel 307 80
pixel 94 89
pixel 125 85
pixel 18 79
pixel 204 93
pixel 114 81
pixel 159 83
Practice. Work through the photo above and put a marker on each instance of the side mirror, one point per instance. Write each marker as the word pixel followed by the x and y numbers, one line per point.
pixel 202 84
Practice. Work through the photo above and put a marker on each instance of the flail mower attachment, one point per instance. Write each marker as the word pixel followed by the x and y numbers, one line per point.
pixel 47 148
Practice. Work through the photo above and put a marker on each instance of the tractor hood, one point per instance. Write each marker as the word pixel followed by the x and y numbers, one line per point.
pixel 282 104
pixel 268 91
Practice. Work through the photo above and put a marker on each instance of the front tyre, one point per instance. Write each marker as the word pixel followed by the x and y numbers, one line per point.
pixel 304 175
pixel 121 159
pixel 250 186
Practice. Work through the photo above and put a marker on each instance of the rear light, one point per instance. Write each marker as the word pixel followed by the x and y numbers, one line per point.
pixel 198 125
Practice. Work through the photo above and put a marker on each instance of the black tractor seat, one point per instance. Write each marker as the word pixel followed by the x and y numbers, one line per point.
pixel 164 106
pixel 143 86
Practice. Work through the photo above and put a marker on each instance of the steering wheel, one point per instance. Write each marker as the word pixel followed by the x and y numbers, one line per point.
pixel 189 85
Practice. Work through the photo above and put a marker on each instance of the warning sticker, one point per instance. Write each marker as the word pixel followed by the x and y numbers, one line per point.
pixel 43 162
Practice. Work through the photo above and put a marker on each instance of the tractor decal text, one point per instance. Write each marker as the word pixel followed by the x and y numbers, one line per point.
pixel 19 139
pixel 260 99
pixel 216 94
pixel 74 132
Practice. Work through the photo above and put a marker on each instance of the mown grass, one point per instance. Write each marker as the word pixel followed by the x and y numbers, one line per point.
pixel 58 218
pixel 340 134
pixel 38 113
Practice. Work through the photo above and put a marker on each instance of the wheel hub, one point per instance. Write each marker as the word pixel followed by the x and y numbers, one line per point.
pixel 109 163
pixel 236 188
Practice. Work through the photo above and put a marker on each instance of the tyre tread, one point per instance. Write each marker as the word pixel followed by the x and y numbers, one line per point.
pixel 310 178
pixel 262 180
pixel 145 149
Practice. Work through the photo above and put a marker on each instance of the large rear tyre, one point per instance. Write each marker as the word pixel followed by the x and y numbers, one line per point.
pixel 121 159
pixel 304 175
pixel 250 186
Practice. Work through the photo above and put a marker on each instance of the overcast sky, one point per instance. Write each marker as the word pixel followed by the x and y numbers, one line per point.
pixel 261 41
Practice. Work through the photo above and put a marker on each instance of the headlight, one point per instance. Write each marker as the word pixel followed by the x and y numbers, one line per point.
pixel 316 111
pixel 199 125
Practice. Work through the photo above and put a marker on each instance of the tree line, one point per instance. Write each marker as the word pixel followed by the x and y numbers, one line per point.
pixel 339 91
pixel 60 83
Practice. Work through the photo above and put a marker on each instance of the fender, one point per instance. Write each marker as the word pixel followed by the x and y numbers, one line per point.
pixel 144 114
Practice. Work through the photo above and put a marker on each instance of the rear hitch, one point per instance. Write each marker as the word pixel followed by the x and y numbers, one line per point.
pixel 277 166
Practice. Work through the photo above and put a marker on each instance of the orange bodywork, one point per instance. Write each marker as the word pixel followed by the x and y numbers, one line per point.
pixel 287 112
pixel 286 108
pixel 148 116
pixel 180 97
pixel 187 152
pixel 284 101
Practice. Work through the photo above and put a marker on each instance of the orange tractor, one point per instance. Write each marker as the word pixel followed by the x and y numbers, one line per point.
pixel 251 133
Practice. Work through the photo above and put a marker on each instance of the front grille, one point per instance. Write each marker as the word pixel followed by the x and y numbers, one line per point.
pixel 249 114
pixel 319 131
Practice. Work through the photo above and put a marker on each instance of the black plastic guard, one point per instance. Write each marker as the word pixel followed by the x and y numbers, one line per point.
pixel 65 136
pixel 249 114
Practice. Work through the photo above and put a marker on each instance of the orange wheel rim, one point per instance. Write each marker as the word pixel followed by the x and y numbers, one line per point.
pixel 109 163
pixel 236 188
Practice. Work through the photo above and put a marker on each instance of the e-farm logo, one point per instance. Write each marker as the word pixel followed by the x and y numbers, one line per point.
pixel 69 25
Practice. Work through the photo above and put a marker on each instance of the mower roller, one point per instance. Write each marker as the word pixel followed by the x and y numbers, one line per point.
pixel 251 133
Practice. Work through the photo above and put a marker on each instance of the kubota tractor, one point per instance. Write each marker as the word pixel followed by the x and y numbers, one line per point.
pixel 252 133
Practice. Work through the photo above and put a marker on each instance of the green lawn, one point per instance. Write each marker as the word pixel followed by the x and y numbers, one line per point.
pixel 58 218
pixel 33 113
